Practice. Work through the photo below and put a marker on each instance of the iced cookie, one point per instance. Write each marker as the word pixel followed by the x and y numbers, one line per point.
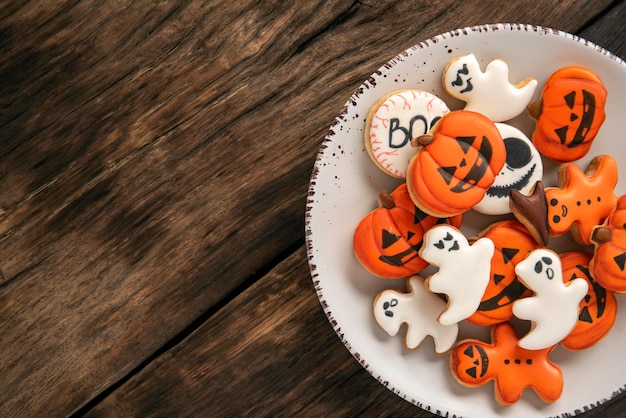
pixel 583 200
pixel 463 270
pixel 532 212
pixel 597 310
pixel 393 121
pixel 553 310
pixel 490 92
pixel 512 244
pixel 609 259
pixel 418 309
pixel 523 167
pixel 387 240
pixel 569 113
pixel 512 368
pixel 455 163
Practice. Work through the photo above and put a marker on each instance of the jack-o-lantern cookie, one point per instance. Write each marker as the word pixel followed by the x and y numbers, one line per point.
pixel 597 310
pixel 512 368
pixel 512 244
pixel 393 121
pixel 419 310
pixel 387 240
pixel 522 169
pixel 490 92
pixel 608 266
pixel 455 164
pixel 553 309
pixel 583 200
pixel 569 113
pixel 463 270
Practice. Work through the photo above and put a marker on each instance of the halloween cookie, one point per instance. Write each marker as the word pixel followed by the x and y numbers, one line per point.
pixel 569 113
pixel 387 240
pixel 553 310
pixel 583 200
pixel 609 259
pixel 463 270
pixel 511 367
pixel 597 310
pixel 522 169
pixel 418 309
pixel 532 211
pixel 489 92
pixel 512 244
pixel 393 121
pixel 455 163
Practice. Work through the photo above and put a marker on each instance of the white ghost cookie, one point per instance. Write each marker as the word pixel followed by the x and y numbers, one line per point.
pixel 418 309
pixel 463 270
pixel 522 169
pixel 393 121
pixel 553 310
pixel 489 92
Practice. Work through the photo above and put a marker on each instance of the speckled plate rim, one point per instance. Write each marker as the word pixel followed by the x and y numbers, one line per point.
pixel 325 284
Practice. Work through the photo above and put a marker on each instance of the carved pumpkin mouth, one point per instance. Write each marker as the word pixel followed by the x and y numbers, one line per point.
pixel 507 296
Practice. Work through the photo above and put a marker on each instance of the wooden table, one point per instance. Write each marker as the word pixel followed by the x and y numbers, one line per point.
pixel 154 159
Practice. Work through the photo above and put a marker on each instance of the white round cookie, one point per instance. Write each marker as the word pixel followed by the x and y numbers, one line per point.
pixel 393 121
pixel 523 168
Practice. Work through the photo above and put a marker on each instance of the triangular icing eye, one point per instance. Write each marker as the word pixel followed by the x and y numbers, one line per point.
pixel 471 371
pixel 389 238
pixel 469 351
pixel 448 237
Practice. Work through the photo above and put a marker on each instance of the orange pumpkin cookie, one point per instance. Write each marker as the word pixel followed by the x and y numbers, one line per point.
pixel 512 244
pixel 388 239
pixel 598 308
pixel 569 113
pixel 474 363
pixel 582 200
pixel 609 259
pixel 455 164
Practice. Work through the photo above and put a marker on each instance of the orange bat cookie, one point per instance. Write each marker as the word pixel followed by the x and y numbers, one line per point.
pixel 474 363
pixel 582 200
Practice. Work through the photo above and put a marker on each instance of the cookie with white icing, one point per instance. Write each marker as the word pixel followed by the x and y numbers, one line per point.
pixel 393 121
pixel 553 310
pixel 489 92
pixel 522 169
pixel 464 270
pixel 418 309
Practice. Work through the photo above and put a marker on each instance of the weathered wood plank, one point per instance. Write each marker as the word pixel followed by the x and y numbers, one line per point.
pixel 155 155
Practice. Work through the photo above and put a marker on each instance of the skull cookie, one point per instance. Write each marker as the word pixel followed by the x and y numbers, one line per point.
pixel 522 169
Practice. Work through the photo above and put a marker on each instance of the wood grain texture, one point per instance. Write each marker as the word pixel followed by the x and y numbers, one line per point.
pixel 155 157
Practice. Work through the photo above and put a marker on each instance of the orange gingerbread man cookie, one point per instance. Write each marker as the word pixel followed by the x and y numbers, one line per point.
pixel 582 200
pixel 597 310
pixel 569 113
pixel 455 164
pixel 608 266
pixel 474 363
pixel 387 240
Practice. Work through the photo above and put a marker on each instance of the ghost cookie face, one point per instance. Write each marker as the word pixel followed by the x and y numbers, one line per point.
pixel 455 163
pixel 569 113
pixel 418 309
pixel 393 121
pixel 522 169
pixel 463 270
pixel 474 363
pixel 489 92
pixel 553 310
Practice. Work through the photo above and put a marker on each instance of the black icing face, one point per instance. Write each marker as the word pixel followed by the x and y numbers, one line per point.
pixel 518 169
pixel 448 242
pixel 543 266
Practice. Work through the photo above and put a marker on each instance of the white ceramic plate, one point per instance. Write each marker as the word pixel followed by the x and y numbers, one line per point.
pixel 343 189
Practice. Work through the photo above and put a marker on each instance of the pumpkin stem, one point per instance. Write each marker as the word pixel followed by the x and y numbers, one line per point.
pixel 535 108
pixel 386 200
pixel 422 140
pixel 601 235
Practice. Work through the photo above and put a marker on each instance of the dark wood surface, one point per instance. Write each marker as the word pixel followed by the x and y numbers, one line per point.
pixel 154 162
